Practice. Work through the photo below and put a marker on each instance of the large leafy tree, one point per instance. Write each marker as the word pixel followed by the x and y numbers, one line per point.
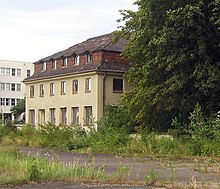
pixel 174 47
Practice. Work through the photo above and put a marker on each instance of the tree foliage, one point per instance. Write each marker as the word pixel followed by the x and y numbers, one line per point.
pixel 18 108
pixel 174 49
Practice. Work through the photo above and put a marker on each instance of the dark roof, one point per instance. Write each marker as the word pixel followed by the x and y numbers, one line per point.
pixel 99 67
pixel 103 42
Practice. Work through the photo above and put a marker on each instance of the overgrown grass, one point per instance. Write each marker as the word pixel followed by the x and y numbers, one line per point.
pixel 200 138
pixel 16 168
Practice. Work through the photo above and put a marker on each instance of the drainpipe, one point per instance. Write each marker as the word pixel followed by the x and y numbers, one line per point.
pixel 104 88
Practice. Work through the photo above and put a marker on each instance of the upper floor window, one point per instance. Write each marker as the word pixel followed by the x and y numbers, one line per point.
pixel 54 64
pixel 2 86
pixel 52 89
pixel 28 73
pixel 42 90
pixel 76 60
pixel 2 71
pixel 89 57
pixel 13 87
pixel 44 66
pixel 19 72
pixel 2 101
pixel 13 72
pixel 8 71
pixel 63 87
pixel 64 62
pixel 13 102
pixel 88 85
pixel 18 87
pixel 75 86
pixel 7 86
pixel 32 91
pixel 117 85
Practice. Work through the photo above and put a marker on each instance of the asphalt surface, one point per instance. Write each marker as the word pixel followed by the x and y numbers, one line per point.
pixel 180 172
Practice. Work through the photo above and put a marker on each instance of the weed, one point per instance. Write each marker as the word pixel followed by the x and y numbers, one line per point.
pixel 151 178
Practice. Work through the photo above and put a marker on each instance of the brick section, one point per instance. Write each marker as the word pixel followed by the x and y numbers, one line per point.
pixel 113 57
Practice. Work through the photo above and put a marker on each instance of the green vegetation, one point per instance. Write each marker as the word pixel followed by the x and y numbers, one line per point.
pixel 195 140
pixel 174 52
pixel 16 169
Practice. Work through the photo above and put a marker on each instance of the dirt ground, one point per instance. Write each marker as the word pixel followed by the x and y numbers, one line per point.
pixel 170 173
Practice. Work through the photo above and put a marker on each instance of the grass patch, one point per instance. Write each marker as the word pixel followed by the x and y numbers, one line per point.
pixel 15 169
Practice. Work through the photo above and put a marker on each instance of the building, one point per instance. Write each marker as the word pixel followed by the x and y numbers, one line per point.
pixel 73 86
pixel 12 89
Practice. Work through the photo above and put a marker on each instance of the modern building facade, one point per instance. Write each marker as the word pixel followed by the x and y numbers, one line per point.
pixel 12 89
pixel 73 86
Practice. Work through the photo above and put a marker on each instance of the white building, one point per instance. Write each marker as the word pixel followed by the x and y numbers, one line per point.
pixel 12 73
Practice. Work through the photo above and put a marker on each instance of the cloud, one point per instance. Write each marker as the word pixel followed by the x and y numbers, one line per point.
pixel 33 29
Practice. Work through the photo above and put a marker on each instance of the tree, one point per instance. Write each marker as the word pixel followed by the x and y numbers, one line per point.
pixel 174 49
pixel 19 108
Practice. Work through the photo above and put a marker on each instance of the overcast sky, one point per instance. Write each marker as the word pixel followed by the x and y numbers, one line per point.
pixel 33 29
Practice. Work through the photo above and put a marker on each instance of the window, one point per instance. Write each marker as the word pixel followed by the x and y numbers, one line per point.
pixel 13 87
pixel 88 118
pixel 75 115
pixel 52 89
pixel 32 117
pixel 88 85
pixel 18 72
pixel 2 101
pixel 53 116
pixel 28 73
pixel 12 102
pixel 41 116
pixel 54 64
pixel 2 86
pixel 13 73
pixel 63 87
pixel 44 66
pixel 18 87
pixel 89 57
pixel 2 71
pixel 32 91
pixel 7 86
pixel 75 86
pixel 8 71
pixel 63 115
pixel 42 90
pixel 7 101
pixel 64 62
pixel 76 60
pixel 117 85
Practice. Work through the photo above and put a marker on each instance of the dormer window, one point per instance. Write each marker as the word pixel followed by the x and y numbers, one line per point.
pixel 76 60
pixel 54 64
pixel 64 62
pixel 44 66
pixel 89 57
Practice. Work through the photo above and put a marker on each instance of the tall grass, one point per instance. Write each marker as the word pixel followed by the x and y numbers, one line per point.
pixel 16 168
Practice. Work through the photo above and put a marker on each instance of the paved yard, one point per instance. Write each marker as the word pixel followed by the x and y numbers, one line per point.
pixel 178 172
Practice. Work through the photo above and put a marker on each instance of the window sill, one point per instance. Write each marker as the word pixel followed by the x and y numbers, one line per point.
pixel 118 91
pixel 87 91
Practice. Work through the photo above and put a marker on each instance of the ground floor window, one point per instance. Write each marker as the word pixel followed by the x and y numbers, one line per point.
pixel 117 85
pixel 53 116
pixel 41 118
pixel 63 119
pixel 88 115
pixel 32 117
pixel 75 115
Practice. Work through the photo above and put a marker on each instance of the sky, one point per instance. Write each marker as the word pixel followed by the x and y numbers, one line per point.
pixel 34 29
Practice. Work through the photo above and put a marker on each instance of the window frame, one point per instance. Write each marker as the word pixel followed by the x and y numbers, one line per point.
pixel 53 115
pixel 54 64
pixel 75 86
pixel 52 89
pixel 32 91
pixel 76 60
pixel 75 115
pixel 118 87
pixel 88 85
pixel 64 62
pixel 63 88
pixel 63 114
pixel 88 116
pixel 42 91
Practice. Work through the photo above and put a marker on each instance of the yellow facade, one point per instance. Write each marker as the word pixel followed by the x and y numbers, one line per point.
pixel 42 108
